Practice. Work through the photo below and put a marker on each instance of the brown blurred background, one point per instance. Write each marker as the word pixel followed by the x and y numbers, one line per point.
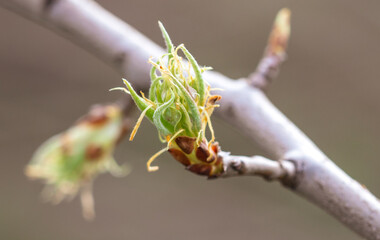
pixel 329 87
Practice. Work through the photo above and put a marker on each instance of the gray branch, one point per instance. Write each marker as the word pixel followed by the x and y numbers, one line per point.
pixel 317 178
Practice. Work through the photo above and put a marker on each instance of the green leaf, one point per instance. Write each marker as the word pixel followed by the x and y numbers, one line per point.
pixel 193 108
pixel 140 102
pixel 162 125
pixel 168 41
pixel 199 82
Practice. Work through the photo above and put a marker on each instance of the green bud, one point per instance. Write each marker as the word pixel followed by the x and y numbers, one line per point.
pixel 179 102
pixel 70 161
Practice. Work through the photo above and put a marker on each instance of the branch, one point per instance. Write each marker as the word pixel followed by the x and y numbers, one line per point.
pixel 318 179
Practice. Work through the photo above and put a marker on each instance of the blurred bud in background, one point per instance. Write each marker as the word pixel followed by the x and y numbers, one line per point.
pixel 279 37
pixel 70 161
pixel 275 52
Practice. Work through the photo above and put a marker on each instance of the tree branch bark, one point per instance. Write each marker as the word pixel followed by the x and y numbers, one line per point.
pixel 317 178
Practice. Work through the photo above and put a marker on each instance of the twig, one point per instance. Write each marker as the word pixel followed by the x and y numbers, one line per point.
pixel 283 170
pixel 318 179
pixel 275 52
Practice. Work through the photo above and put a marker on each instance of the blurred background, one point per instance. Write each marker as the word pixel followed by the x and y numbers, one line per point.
pixel 329 87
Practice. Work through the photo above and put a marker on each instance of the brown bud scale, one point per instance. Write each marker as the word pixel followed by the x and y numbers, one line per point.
pixel 200 159
pixel 96 117
pixel 200 169
pixel 179 156
pixel 213 99
pixel 93 152
pixel 186 144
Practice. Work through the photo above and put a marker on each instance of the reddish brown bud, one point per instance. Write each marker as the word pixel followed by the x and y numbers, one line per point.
pixel 179 156
pixel 203 153
pixel 186 144
pixel 200 169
